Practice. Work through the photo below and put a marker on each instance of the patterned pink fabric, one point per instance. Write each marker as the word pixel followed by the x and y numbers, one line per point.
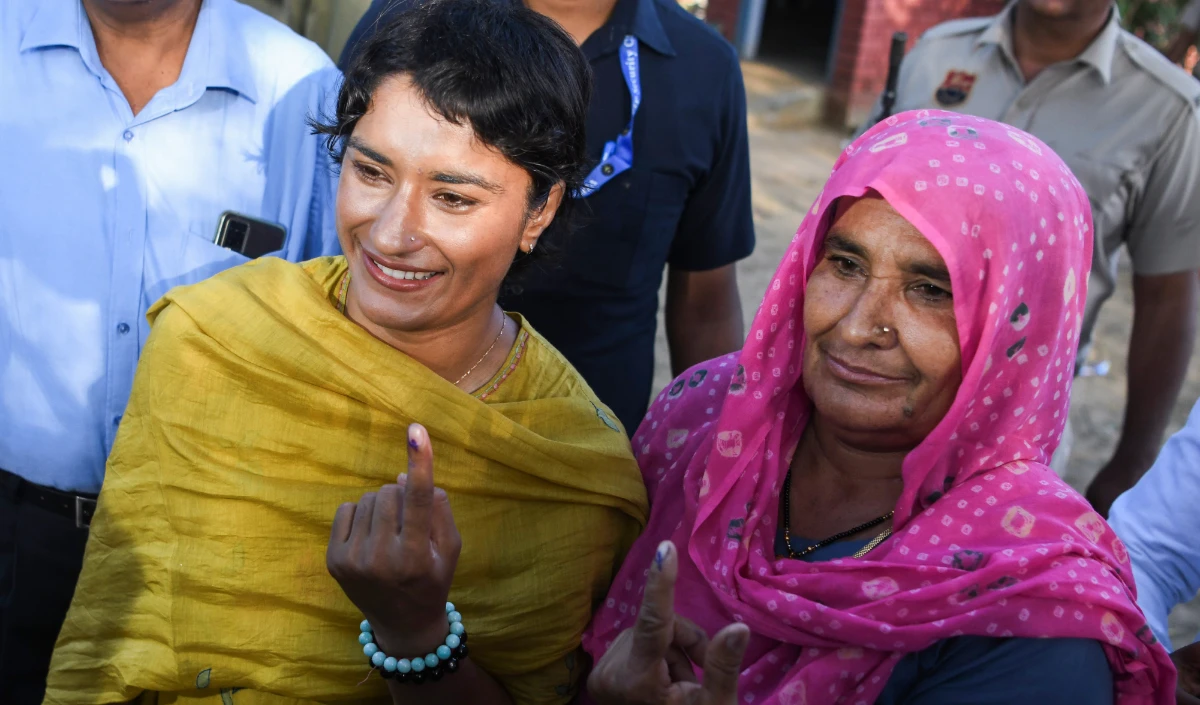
pixel 988 540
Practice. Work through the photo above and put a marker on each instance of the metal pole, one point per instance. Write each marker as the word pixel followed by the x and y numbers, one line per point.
pixel 895 56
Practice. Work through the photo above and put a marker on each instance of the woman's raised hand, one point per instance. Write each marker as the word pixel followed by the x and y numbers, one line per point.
pixel 651 663
pixel 1187 662
pixel 394 555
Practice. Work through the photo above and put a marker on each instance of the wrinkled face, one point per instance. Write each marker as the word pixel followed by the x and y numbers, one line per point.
pixel 429 217
pixel 881 357
pixel 1066 9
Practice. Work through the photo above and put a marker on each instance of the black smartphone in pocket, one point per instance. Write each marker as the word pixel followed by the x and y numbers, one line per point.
pixel 252 237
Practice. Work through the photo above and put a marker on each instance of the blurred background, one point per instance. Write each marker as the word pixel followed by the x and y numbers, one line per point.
pixel 836 49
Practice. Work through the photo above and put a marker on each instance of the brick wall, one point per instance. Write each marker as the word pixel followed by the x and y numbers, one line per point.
pixel 860 67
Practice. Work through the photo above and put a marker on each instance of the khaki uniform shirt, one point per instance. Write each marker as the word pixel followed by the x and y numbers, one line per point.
pixel 1120 115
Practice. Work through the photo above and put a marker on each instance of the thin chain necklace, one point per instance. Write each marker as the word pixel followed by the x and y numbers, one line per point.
pixel 503 324
pixel 787 528
pixel 342 298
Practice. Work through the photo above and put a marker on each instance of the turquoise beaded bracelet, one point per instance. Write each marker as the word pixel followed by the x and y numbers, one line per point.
pixel 432 665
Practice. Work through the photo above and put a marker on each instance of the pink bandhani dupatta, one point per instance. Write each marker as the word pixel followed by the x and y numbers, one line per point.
pixel 988 540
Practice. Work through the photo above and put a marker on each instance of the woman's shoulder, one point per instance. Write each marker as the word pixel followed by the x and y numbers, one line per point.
pixel 258 282
pixel 543 373
pixel 690 403
pixel 238 310
pixel 991 671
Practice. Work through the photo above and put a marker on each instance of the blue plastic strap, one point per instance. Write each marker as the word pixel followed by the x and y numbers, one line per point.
pixel 618 153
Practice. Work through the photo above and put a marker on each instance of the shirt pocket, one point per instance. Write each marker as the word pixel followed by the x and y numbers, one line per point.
pixel 629 225
pixel 1110 187
pixel 200 248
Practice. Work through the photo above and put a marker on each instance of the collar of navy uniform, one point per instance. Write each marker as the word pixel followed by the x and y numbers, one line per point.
pixel 639 18
pixel 1099 54
pixel 216 56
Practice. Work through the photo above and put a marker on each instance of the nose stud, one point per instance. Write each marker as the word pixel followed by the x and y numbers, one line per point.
pixel 882 330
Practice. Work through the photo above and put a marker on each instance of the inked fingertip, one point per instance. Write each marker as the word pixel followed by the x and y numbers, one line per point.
pixel 738 637
pixel 414 436
pixel 662 553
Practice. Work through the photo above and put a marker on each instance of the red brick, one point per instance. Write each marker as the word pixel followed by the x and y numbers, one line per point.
pixel 724 14
pixel 864 40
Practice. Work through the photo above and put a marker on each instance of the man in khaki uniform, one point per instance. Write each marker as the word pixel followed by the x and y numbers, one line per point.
pixel 1125 120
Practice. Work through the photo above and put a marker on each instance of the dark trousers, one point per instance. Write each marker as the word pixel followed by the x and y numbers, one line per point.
pixel 41 554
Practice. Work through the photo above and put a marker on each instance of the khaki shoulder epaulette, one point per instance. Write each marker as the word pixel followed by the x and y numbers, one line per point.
pixel 1160 68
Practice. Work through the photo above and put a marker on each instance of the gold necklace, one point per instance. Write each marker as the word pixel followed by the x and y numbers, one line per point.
pixel 874 542
pixel 503 323
pixel 787 529
pixel 342 298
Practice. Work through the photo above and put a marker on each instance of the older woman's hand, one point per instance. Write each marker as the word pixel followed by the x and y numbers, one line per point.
pixel 1187 661
pixel 394 554
pixel 651 664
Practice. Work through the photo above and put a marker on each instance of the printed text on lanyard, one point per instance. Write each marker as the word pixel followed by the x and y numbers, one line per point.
pixel 618 153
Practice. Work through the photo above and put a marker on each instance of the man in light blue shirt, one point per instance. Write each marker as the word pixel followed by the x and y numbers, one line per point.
pixel 127 129
pixel 1159 521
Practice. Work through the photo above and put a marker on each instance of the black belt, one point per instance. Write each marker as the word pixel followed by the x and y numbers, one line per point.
pixel 77 506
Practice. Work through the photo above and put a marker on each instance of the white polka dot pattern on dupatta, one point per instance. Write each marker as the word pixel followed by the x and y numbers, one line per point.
pixel 988 540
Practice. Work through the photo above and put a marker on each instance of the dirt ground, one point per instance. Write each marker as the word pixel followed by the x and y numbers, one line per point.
pixel 789 165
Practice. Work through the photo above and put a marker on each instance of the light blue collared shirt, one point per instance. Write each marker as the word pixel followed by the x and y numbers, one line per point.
pixel 102 211
pixel 1159 521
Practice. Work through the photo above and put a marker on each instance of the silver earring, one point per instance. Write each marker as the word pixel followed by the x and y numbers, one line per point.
pixel 531 246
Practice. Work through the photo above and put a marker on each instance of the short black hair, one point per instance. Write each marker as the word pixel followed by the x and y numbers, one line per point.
pixel 513 75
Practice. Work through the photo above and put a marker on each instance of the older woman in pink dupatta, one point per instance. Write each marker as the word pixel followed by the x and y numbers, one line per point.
pixel 954 369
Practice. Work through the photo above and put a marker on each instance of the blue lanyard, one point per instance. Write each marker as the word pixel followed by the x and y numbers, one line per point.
pixel 618 153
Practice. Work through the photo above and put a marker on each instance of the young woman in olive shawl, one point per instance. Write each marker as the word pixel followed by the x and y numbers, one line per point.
pixel 272 394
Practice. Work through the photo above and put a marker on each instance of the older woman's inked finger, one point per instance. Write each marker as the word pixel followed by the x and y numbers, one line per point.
pixel 723 664
pixel 654 630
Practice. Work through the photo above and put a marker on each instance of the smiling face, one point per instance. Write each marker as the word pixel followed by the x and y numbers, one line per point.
pixel 429 217
pixel 881 360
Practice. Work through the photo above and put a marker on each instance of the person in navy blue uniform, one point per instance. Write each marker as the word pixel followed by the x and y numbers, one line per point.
pixel 673 193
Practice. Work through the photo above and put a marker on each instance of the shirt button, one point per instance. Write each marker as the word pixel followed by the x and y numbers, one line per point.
pixel 122 328
pixel 128 135
pixel 607 169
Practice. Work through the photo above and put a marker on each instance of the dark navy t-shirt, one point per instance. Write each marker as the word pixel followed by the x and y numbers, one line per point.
pixel 684 202
pixel 978 670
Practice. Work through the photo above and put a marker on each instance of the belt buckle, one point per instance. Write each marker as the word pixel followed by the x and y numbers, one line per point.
pixel 81 503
